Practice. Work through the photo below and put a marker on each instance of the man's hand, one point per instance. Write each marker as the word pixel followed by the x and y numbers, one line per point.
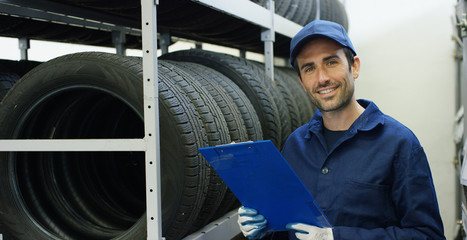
pixel 252 224
pixel 308 232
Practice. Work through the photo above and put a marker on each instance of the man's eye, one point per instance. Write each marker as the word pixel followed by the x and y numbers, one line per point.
pixel 309 69
pixel 330 63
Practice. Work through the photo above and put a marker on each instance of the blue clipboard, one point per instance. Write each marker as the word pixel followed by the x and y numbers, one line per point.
pixel 261 178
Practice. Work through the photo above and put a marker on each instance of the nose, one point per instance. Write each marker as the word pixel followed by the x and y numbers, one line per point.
pixel 323 77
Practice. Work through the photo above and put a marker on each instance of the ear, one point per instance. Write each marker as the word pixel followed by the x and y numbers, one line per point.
pixel 356 67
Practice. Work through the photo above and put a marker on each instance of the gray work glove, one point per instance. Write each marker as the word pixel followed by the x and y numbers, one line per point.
pixel 309 232
pixel 252 224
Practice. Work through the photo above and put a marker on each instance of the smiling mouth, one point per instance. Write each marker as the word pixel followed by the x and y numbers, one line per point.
pixel 327 91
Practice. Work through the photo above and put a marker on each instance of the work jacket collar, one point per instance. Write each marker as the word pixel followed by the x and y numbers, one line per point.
pixel 368 120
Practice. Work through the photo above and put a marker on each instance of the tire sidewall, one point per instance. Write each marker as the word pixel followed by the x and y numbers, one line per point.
pixel 65 73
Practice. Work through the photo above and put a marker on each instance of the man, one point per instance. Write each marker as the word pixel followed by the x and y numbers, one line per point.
pixel 367 171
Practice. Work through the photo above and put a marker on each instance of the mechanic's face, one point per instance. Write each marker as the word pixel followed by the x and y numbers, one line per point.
pixel 325 74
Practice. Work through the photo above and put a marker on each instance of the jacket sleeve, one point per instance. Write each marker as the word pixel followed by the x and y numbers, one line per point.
pixel 414 198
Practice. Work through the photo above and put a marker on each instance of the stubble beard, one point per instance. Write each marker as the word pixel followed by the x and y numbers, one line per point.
pixel 338 102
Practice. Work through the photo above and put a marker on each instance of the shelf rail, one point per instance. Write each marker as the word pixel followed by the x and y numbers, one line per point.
pixel 150 144
pixel 68 15
pixel 256 14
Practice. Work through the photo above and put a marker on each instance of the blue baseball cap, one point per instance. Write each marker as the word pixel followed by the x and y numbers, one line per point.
pixel 318 29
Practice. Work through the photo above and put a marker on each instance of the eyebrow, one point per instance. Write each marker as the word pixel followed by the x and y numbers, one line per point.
pixel 324 60
pixel 330 57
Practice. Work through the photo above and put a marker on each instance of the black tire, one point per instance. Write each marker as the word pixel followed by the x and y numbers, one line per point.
pixel 305 106
pixel 7 80
pixel 253 130
pixel 223 111
pixel 281 7
pixel 213 119
pixel 246 109
pixel 314 10
pixel 292 11
pixel 248 78
pixel 230 111
pixel 217 133
pixel 19 67
pixel 97 195
pixel 325 10
pixel 280 99
pixel 219 199
pixel 289 96
pixel 340 14
pixel 302 15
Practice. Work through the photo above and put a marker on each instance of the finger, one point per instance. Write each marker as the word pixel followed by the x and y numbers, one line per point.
pixel 299 227
pixel 300 235
pixel 250 229
pixel 290 226
pixel 245 211
pixel 257 220
pixel 257 234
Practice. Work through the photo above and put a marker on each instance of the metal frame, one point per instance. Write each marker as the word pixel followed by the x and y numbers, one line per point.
pixel 222 228
pixel 23 45
pixel 254 13
pixel 59 13
pixel 461 103
pixel 268 37
pixel 263 17
pixel 461 12
pixel 151 119
pixel 67 15
pixel 462 17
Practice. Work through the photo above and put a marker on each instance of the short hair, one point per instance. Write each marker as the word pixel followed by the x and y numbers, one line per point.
pixel 348 54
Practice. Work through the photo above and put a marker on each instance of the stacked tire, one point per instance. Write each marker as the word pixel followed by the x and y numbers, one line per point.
pixel 11 71
pixel 7 80
pixel 305 11
pixel 205 99
pixel 205 24
pixel 218 28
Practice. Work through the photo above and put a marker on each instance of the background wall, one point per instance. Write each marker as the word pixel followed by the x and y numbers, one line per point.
pixel 408 70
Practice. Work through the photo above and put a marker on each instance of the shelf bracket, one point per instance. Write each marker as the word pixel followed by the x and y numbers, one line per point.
pixel 242 53
pixel 165 40
pixel 23 45
pixel 119 40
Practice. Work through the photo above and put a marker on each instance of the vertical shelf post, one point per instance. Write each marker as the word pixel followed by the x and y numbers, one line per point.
pixel 119 40
pixel 164 40
pixel 151 119
pixel 23 45
pixel 463 27
pixel 268 37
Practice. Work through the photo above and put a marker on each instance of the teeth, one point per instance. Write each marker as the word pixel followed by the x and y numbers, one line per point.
pixel 327 91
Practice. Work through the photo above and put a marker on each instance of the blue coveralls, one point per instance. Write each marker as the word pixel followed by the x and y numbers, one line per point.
pixel 375 183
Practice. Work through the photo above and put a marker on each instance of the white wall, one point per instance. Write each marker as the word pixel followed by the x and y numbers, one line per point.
pixel 408 69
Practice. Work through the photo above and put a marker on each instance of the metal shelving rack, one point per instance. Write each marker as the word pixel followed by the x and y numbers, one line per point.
pixel 242 9
pixel 459 37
